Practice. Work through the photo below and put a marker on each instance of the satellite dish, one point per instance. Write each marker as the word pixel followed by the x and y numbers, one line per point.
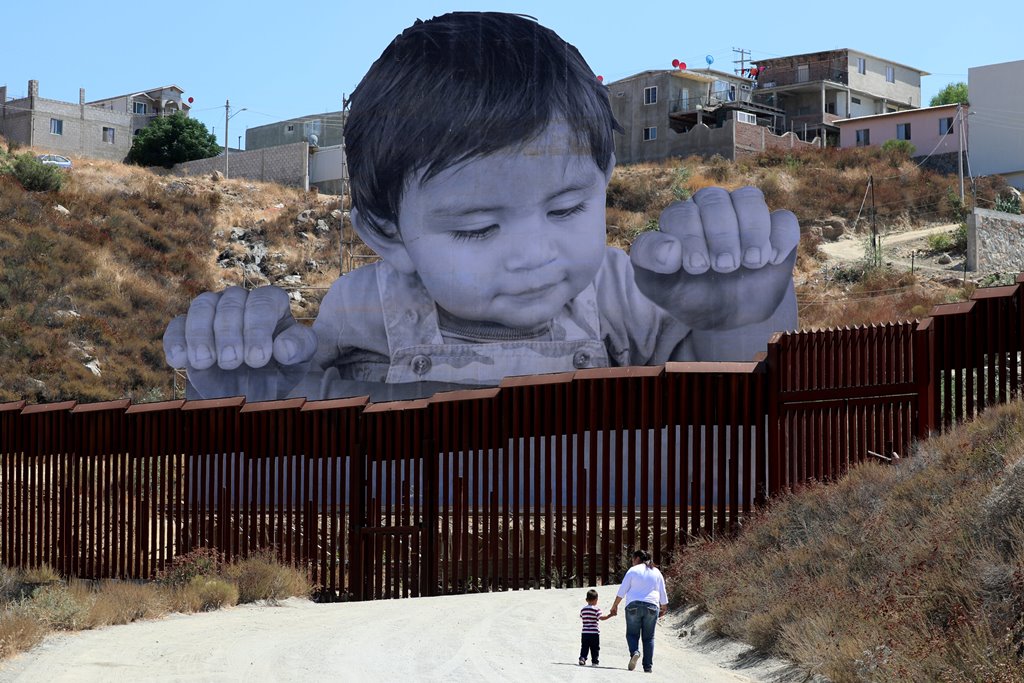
pixel 313 140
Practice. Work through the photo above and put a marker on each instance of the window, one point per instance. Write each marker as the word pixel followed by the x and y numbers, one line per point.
pixel 802 73
pixel 650 133
pixel 289 128
pixel 651 95
pixel 862 65
pixel 946 125
pixel 863 137
pixel 854 100
pixel 56 127
pixel 746 117
pixel 108 135
pixel 890 74
pixel 137 131
pixel 902 131
pixel 830 107
pixel 140 108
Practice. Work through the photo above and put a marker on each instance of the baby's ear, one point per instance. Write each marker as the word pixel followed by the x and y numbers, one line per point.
pixel 383 237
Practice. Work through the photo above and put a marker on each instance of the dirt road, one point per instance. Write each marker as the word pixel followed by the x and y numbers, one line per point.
pixel 895 249
pixel 526 635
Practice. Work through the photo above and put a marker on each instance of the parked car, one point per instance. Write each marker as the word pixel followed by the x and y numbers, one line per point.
pixel 55 160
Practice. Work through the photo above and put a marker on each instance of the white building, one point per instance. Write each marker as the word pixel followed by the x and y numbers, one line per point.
pixel 996 133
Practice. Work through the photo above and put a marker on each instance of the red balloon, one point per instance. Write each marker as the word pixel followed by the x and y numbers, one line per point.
pixel 600 79
pixel 753 71
pixel 682 65
pixel 190 100
pixel 675 62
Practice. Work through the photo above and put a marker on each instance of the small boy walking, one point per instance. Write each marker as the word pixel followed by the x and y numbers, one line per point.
pixel 590 638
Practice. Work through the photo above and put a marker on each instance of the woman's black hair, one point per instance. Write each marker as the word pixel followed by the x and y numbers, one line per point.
pixel 642 555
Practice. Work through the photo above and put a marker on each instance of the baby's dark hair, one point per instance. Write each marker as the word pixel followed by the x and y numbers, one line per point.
pixel 591 595
pixel 460 86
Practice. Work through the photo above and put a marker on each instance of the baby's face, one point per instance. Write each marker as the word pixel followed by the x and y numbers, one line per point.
pixel 510 237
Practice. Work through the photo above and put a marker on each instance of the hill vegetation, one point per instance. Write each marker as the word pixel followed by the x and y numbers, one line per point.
pixel 913 572
pixel 91 273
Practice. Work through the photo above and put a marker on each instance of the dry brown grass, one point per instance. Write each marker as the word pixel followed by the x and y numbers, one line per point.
pixel 261 577
pixel 906 573
pixel 36 601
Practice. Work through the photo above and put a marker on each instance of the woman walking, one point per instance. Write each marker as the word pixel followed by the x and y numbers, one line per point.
pixel 643 589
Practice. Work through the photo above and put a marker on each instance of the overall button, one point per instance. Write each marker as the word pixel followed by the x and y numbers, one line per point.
pixel 421 364
pixel 581 360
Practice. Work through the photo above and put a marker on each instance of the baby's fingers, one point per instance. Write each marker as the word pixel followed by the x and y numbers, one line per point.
pixel 175 349
pixel 657 252
pixel 266 311
pixel 297 344
pixel 785 235
pixel 199 334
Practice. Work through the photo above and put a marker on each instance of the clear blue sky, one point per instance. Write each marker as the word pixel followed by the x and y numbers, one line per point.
pixel 287 59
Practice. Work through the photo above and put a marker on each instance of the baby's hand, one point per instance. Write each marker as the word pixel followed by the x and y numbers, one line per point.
pixel 720 260
pixel 240 343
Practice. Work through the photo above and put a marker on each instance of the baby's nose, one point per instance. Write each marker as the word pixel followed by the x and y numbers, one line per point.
pixel 531 252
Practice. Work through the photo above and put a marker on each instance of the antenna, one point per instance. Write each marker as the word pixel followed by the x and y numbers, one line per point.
pixel 742 61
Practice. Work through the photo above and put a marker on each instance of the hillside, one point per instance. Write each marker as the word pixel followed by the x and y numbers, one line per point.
pixel 912 572
pixel 91 274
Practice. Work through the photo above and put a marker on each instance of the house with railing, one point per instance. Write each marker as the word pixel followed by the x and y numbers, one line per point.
pixel 147 105
pixel 934 132
pixel 816 89
pixel 679 112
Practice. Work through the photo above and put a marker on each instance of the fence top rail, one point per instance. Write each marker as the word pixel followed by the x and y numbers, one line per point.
pixel 536 380
pixel 625 372
pixel 465 395
pixel 958 308
pixel 155 407
pixel 995 292
pixel 335 404
pixel 117 404
pixel 12 406
pixel 704 368
pixel 209 403
pixel 48 407
pixel 390 406
pixel 263 406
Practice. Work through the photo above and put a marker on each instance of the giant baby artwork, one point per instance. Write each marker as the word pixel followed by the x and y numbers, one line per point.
pixel 480 146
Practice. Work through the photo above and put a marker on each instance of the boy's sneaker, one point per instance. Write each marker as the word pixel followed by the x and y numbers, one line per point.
pixel 583 662
pixel 593 663
pixel 633 660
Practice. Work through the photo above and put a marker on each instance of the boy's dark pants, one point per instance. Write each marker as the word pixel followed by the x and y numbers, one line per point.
pixel 591 642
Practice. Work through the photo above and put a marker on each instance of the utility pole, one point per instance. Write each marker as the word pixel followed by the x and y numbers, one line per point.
pixel 742 61
pixel 960 156
pixel 227 148
pixel 875 246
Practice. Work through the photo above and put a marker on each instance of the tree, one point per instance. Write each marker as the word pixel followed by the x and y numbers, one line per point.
pixel 954 93
pixel 170 140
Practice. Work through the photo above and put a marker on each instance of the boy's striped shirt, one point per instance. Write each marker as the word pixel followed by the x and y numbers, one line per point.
pixel 590 614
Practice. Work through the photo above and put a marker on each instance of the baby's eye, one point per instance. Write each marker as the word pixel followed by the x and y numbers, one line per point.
pixel 571 211
pixel 466 235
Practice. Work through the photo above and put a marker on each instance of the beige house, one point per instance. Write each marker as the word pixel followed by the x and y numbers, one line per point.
pixel 819 88
pixel 146 105
pixel 933 131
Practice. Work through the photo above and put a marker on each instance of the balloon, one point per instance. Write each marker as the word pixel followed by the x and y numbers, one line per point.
pixel 190 100
pixel 709 59
pixel 600 79
pixel 753 71
pixel 682 65
pixel 675 62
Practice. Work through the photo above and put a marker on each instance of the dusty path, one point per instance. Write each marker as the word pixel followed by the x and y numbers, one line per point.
pixel 527 635
pixel 852 250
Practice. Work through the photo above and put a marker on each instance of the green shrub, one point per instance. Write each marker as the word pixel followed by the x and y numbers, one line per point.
pixel 57 607
pixel 1008 203
pixel 940 241
pixel 901 148
pixel 262 577
pixel 35 176
pixel 184 568
pixel 213 593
